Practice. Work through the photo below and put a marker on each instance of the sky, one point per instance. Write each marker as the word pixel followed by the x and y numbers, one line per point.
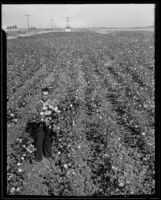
pixel 80 15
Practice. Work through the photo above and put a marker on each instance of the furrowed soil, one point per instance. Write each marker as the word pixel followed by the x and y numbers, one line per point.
pixel 103 139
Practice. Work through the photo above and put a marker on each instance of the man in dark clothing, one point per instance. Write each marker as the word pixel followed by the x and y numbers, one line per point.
pixel 43 142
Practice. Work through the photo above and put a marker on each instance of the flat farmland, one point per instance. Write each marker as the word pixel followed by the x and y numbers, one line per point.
pixel 104 136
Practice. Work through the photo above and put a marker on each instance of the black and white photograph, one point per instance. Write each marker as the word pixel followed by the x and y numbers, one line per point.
pixel 80 99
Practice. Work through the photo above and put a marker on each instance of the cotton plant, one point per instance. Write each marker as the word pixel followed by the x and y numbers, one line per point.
pixel 23 150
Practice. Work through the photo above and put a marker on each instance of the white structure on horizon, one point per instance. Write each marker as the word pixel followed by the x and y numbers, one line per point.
pixel 67 28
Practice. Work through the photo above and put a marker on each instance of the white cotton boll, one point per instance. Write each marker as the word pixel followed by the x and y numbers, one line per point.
pixel 48 112
pixel 29 150
pixel 19 170
pixel 114 168
pixel 65 166
pixel 18 164
pixel 56 109
pixel 41 113
pixel 45 108
pixel 18 189
pixel 51 107
pixel 121 184
pixel 13 189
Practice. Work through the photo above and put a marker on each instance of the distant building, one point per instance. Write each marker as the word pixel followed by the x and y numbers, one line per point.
pixel 68 28
pixel 12 27
pixel 33 28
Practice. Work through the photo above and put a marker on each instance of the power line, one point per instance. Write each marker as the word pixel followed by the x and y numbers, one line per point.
pixel 27 21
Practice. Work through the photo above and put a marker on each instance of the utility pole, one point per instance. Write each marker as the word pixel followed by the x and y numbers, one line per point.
pixel 27 21
pixel 52 23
